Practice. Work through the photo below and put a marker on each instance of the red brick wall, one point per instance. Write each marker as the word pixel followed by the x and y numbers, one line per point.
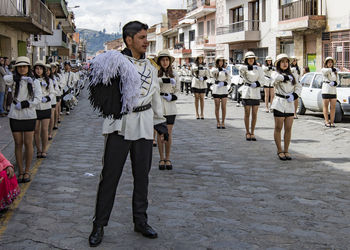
pixel 174 15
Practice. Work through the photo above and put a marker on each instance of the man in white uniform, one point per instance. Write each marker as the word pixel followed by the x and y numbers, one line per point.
pixel 124 88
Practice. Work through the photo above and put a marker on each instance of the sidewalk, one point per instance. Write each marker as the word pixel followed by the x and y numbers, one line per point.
pixel 7 146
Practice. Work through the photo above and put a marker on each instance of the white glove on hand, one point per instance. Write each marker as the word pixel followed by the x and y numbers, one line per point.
pixel 44 100
pixel 173 81
pixel 221 84
pixel 9 90
pixel 18 106
pixel 332 83
pixel 290 78
pixel 290 98
pixel 201 78
pixel 44 84
pixel 255 67
pixel 253 85
pixel 167 97
pixel 28 79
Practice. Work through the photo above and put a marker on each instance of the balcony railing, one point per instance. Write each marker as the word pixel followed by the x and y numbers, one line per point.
pixel 30 16
pixel 299 9
pixel 247 25
pixel 192 5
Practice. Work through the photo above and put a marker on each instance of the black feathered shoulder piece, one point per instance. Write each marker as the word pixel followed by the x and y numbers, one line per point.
pixel 114 85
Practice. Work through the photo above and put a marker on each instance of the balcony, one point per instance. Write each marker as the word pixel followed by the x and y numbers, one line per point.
pixel 58 39
pixel 194 11
pixel 33 17
pixel 302 15
pixel 58 8
pixel 244 31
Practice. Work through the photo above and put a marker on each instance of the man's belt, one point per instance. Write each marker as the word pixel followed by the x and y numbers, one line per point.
pixel 282 96
pixel 217 82
pixel 142 108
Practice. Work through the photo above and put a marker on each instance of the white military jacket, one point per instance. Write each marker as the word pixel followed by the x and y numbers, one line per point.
pixel 220 76
pixel 68 80
pixel 23 95
pixel 137 125
pixel 50 92
pixel 56 90
pixel 169 108
pixel 268 72
pixel 284 88
pixel 197 72
pixel 187 75
pixel 295 73
pixel 328 77
pixel 250 76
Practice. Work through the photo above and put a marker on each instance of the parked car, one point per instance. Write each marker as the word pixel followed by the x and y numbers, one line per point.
pixel 311 97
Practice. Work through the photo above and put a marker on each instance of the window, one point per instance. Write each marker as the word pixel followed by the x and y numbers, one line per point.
pixel 182 37
pixel 208 28
pixel 192 35
pixel 237 14
pixel 306 80
pixel 254 15
pixel 200 28
pixel 263 17
pixel 212 27
pixel 317 83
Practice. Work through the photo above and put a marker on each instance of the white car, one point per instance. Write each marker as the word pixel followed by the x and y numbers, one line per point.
pixel 311 97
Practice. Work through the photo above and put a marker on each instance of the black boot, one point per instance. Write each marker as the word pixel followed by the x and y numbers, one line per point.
pixel 96 236
pixel 146 230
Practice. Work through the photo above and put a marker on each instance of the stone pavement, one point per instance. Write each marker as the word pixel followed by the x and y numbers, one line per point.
pixel 224 192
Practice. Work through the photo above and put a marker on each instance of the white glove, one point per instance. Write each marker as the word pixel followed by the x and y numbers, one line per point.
pixel 332 83
pixel 173 81
pixel 221 84
pixel 255 67
pixel 18 106
pixel 9 90
pixel 44 100
pixel 290 98
pixel 290 78
pixel 167 97
pixel 44 84
pixel 253 85
pixel 201 78
pixel 28 79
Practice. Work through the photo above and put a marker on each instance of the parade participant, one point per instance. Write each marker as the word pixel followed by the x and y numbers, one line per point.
pixel 59 78
pixel 287 89
pixel 199 86
pixel 169 86
pixel 50 68
pixel 9 188
pixel 220 91
pixel 268 87
pixel 26 95
pixel 181 75
pixel 57 86
pixel 68 78
pixel 188 78
pixel 329 90
pixel 296 74
pixel 210 81
pixel 253 77
pixel 2 87
pixel 124 88
pixel 43 109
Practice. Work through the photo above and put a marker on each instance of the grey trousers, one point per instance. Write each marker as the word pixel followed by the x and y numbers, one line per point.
pixel 116 152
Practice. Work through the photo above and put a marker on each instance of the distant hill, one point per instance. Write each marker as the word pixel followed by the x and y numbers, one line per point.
pixel 95 39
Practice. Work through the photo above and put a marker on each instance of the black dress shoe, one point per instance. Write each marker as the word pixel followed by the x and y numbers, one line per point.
pixel 96 236
pixel 146 230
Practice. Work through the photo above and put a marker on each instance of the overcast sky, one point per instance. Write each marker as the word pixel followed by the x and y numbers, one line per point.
pixel 100 14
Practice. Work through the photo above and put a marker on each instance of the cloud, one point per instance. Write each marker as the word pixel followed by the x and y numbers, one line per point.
pixel 100 14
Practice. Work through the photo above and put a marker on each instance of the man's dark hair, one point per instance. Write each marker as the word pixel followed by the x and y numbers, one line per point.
pixel 132 28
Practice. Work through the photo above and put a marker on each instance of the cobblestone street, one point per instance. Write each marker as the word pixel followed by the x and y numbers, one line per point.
pixel 223 193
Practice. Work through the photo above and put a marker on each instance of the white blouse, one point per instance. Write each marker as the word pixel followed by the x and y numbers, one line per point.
pixel 284 88
pixel 199 72
pixel 23 95
pixel 249 77
pixel 220 76
pixel 328 77
pixel 46 92
pixel 268 72
pixel 169 107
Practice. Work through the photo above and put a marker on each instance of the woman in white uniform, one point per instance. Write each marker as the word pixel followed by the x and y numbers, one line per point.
pixel 329 90
pixel 26 95
pixel 296 74
pixel 43 109
pixel 169 86
pixel 253 78
pixel 287 89
pixel 49 73
pixel 199 86
pixel 268 87
pixel 220 90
